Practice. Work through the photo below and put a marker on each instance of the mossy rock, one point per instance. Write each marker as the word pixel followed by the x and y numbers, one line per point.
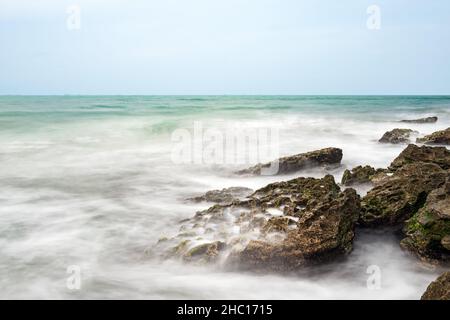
pixel 438 289
pixel 360 175
pixel 428 231
pixel 400 196
pixel 414 154
pixel 438 137
pixel 206 252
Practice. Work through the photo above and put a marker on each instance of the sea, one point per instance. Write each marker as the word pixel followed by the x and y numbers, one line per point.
pixel 89 184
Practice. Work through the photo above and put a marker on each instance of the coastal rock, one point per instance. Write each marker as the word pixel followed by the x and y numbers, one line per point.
pixel 396 136
pixel 206 252
pixel 399 196
pixel 360 175
pixel 438 289
pixel 422 120
pixel 438 137
pixel 294 194
pixel 325 230
pixel 224 196
pixel 299 221
pixel 285 165
pixel 413 153
pixel 428 231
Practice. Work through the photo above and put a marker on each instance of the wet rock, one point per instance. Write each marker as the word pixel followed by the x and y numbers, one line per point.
pixel 360 175
pixel 294 194
pixel 413 153
pixel 302 220
pixel 439 289
pixel 428 231
pixel 277 224
pixel 422 120
pixel 399 196
pixel 319 158
pixel 438 137
pixel 397 136
pixel 206 252
pixel 224 196
pixel 325 230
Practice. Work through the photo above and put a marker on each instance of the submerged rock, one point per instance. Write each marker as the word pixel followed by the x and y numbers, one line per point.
pixel 206 252
pixel 428 231
pixel 438 137
pixel 422 120
pixel 399 196
pixel 397 136
pixel 279 227
pixel 224 196
pixel 285 165
pixel 413 153
pixel 438 289
pixel 360 175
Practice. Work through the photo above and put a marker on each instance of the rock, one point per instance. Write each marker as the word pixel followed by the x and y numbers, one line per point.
pixel 397 136
pixel 438 137
pixel 413 153
pixel 399 196
pixel 439 289
pixel 294 194
pixel 428 231
pixel 206 252
pixel 318 158
pixel 303 220
pixel 360 175
pixel 277 224
pixel 422 120
pixel 224 196
pixel 325 230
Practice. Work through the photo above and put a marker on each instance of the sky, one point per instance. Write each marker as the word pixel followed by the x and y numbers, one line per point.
pixel 224 47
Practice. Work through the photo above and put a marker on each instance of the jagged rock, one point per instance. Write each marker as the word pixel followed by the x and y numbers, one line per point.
pixel 324 230
pixel 438 289
pixel 422 120
pixel 360 174
pixel 318 158
pixel 224 196
pixel 294 194
pixel 307 214
pixel 428 231
pixel 397 136
pixel 278 224
pixel 400 195
pixel 413 153
pixel 438 137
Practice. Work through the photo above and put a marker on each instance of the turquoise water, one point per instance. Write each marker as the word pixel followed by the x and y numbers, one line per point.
pixel 89 181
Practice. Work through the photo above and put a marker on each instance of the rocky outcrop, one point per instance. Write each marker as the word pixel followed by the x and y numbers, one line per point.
pixel 439 289
pixel 224 196
pixel 399 196
pixel 422 120
pixel 397 136
pixel 438 137
pixel 428 231
pixel 319 158
pixel 413 153
pixel 279 227
pixel 324 230
pixel 360 175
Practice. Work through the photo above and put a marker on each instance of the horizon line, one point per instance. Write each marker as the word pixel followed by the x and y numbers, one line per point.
pixel 224 95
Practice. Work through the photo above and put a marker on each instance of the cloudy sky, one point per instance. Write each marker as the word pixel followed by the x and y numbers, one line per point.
pixel 224 47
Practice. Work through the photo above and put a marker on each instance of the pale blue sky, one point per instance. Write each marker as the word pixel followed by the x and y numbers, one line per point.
pixel 225 47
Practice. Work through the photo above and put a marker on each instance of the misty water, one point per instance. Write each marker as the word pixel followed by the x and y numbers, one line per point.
pixel 90 182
